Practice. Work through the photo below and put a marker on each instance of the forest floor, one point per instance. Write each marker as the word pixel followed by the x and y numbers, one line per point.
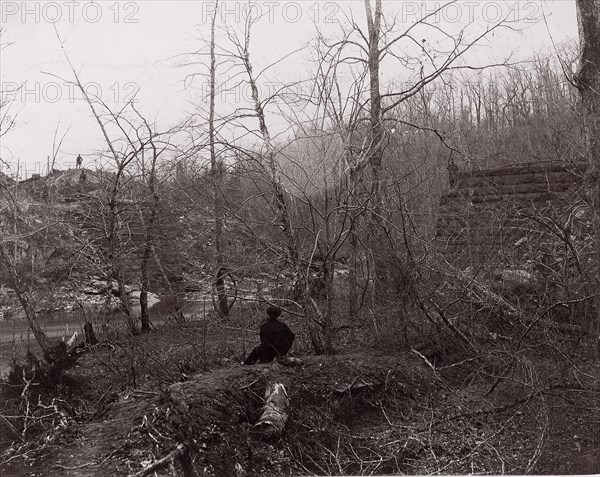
pixel 362 411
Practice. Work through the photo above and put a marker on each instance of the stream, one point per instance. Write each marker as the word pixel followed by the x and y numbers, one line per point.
pixel 15 336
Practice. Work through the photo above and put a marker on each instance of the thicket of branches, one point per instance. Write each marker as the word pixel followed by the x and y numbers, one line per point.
pixel 334 216
pixel 344 192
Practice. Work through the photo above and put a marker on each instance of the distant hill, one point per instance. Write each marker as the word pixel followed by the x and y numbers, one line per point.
pixel 72 177
pixel 62 216
pixel 69 183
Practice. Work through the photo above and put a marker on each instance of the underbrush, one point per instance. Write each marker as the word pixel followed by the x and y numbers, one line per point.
pixel 39 402
pixel 491 408
pixel 369 413
pixel 426 404
pixel 335 403
pixel 348 428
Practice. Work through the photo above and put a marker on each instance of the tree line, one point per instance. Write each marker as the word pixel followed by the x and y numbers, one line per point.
pixel 349 185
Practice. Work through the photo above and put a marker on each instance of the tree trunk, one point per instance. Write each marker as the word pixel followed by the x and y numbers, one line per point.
pixel 25 300
pixel 222 306
pixel 149 244
pixel 353 259
pixel 328 275
pixel 124 304
pixel 588 83
pixel 377 261
pixel 176 293
pixel 222 303
pixel 376 146
pixel 352 278
pixel 144 315
pixel 89 335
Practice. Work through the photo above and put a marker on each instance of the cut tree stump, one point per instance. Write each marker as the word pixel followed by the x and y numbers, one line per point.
pixel 274 412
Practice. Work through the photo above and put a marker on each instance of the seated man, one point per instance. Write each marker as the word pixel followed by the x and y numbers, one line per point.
pixel 275 339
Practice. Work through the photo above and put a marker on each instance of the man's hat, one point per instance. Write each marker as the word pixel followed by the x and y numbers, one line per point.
pixel 274 311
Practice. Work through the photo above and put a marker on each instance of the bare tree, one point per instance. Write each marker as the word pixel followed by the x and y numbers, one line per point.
pixel 6 258
pixel 312 314
pixel 157 146
pixel 217 178
pixel 115 205
pixel 7 120
pixel 383 43
pixel 588 82
pixel 24 297
pixel 342 111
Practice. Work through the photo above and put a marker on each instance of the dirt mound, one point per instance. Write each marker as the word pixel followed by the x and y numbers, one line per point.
pixel 357 413
pixel 214 413
pixel 333 401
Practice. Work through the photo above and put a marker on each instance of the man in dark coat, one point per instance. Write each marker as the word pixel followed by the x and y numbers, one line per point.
pixel 276 339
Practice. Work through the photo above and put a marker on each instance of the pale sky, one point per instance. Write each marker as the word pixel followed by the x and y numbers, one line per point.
pixel 133 47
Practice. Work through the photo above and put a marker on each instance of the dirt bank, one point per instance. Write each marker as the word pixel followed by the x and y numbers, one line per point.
pixel 355 413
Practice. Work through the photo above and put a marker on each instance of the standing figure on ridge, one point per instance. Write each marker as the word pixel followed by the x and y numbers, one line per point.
pixel 79 161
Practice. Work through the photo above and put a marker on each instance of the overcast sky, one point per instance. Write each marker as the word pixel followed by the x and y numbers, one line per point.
pixel 130 48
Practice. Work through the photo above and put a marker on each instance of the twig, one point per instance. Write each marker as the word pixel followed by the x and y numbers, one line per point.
pixel 63 467
pixel 142 392
pixel 249 385
pixel 428 363
pixel 173 456
pixel 390 373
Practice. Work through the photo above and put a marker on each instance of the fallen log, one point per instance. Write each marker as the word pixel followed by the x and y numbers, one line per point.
pixel 274 412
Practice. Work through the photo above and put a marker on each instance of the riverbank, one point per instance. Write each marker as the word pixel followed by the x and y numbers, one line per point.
pixel 88 294
pixel 359 411
pixel 16 337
